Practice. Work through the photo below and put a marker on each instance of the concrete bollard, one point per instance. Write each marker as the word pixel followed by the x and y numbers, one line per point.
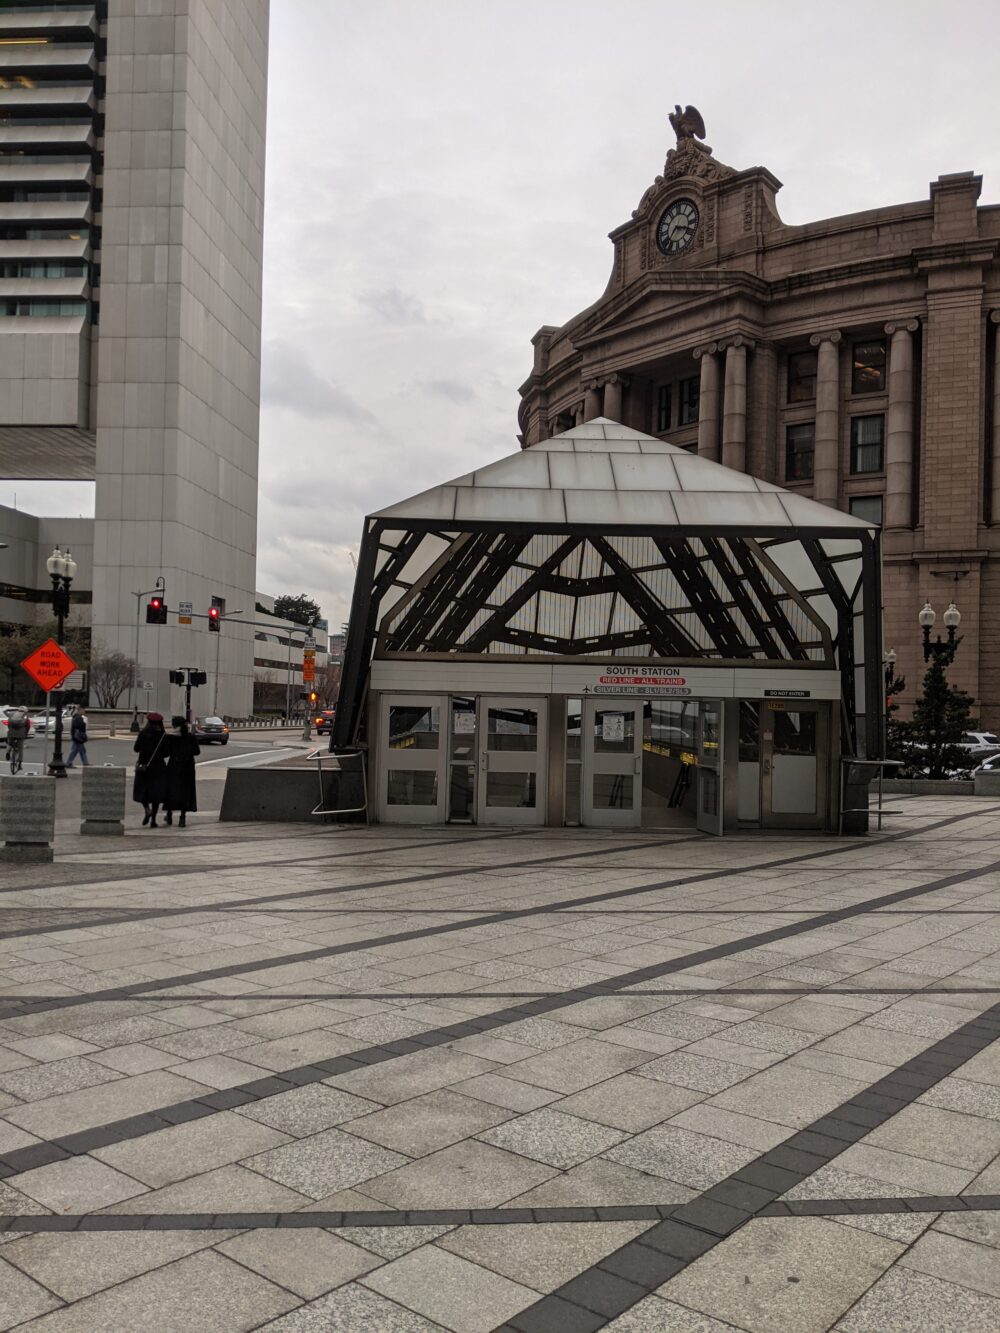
pixel 102 801
pixel 27 818
pixel 987 784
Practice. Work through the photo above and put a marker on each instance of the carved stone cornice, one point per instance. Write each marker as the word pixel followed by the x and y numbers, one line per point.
pixel 902 326
pixel 616 377
pixel 828 336
pixel 995 316
pixel 706 349
pixel 692 159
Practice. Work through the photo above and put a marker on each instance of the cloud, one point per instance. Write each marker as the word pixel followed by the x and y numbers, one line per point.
pixel 453 390
pixel 395 306
pixel 288 380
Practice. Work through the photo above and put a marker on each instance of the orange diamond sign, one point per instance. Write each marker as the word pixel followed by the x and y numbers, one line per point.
pixel 49 665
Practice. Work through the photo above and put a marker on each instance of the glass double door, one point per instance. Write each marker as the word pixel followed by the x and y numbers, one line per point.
pixel 467 759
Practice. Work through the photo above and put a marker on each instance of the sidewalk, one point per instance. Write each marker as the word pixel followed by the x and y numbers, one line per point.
pixel 296 1079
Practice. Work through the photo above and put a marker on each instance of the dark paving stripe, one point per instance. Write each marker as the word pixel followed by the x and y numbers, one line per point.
pixel 477 1217
pixel 126 915
pixel 601 1293
pixel 270 1084
pixel 939 1203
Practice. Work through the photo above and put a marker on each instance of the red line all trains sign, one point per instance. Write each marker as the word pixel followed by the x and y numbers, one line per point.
pixel 641 680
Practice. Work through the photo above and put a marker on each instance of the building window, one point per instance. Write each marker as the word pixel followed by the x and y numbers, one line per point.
pixel 800 443
pixel 867 439
pixel 664 407
pixel 802 377
pixel 690 393
pixel 868 367
pixel 868 507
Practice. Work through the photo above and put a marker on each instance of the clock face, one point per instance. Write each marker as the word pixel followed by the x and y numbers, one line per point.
pixel 677 227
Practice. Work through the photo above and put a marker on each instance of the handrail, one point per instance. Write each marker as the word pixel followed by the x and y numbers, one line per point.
pixel 319 755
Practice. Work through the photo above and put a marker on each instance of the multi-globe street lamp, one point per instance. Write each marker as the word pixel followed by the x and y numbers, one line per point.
pixel 62 571
pixel 942 650
pixel 889 666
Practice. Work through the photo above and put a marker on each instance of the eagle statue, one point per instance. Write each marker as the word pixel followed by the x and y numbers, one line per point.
pixel 689 127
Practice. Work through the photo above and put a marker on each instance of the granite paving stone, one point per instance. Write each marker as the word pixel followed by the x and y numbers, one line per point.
pixel 227 1189
pixel 700 1073
pixel 450 1290
pixel 77 1185
pixel 21 1299
pixel 552 1136
pixel 956 1259
pixel 427 1123
pixel 201 1293
pixel 466 1175
pixel 390 1242
pixel 654 1315
pixel 679 1155
pixel 190 1149
pixel 352 1309
pixel 327 1161
pixel 905 1301
pixel 578 1065
pixel 540 1256
pixel 630 1103
pixel 803 1275
pixel 70 1112
pixel 306 1262
pixel 48 1080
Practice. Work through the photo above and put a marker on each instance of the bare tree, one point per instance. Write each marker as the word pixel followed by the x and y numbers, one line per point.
pixel 328 683
pixel 111 673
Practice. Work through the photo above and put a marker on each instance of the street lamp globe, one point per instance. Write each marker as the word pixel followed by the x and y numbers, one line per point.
pixel 952 617
pixel 69 567
pixel 890 657
pixel 54 564
pixel 927 616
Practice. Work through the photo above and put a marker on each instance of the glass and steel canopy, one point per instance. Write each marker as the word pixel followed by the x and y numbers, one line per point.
pixel 607 542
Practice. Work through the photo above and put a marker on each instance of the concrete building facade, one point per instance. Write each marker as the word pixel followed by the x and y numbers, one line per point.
pixel 131 214
pixel 854 360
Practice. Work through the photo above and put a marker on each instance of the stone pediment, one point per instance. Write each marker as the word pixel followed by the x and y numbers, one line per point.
pixel 655 296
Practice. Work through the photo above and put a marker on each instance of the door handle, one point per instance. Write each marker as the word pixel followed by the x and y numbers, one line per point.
pixel 638 763
pixel 766 767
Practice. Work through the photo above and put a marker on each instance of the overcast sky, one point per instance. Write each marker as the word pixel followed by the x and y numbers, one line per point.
pixel 442 176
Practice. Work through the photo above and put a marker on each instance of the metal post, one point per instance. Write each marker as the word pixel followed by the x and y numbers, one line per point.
pixel 215 692
pixel 60 600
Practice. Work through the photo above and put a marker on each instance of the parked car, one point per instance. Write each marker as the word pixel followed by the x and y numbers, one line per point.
pixel 41 723
pixel 989 765
pixel 324 720
pixel 210 731
pixel 979 743
pixel 9 708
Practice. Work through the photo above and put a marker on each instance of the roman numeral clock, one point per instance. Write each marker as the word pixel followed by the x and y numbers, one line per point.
pixel 678 227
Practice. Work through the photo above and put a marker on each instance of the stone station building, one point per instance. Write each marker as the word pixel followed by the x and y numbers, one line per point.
pixel 852 360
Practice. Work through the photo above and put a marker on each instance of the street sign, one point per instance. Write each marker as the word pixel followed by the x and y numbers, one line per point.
pixel 308 672
pixel 48 665
pixel 184 610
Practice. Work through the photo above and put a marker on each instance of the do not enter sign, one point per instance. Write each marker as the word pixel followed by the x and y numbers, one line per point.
pixel 48 665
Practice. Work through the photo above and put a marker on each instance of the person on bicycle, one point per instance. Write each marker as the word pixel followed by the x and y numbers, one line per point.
pixel 17 734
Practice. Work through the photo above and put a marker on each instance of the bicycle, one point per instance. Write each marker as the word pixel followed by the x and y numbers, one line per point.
pixel 15 753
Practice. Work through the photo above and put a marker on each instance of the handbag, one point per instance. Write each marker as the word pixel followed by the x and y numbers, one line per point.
pixel 144 767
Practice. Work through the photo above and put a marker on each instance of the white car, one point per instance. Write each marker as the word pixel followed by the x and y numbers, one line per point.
pixel 5 711
pixel 979 740
pixel 41 723
pixel 990 765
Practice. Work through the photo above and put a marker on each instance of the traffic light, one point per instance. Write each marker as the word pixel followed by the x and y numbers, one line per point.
pixel 176 677
pixel 213 618
pixel 312 696
pixel 197 677
pixel 156 612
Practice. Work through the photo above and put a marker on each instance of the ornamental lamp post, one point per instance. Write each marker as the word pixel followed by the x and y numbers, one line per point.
pixel 62 571
pixel 889 663
pixel 942 650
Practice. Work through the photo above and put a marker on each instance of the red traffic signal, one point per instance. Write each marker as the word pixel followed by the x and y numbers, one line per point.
pixel 156 612
pixel 213 618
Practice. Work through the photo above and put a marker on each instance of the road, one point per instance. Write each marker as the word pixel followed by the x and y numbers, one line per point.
pixel 244 751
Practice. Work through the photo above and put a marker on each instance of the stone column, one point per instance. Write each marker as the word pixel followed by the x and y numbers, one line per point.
pixel 899 427
pixel 578 415
pixel 995 451
pixel 708 401
pixel 614 387
pixel 734 406
pixel 593 402
pixel 826 466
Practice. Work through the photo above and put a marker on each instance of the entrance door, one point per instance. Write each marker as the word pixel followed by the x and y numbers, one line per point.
pixel 512 745
pixel 612 763
pixel 710 766
pixel 412 759
pixel 793 764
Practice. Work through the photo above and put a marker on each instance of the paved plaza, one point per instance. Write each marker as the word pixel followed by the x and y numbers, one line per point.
pixel 314 1080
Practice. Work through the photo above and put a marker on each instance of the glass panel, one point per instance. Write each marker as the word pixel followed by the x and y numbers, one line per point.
pixel 801 377
pixel 414 726
pixel 868 367
pixel 690 394
pixel 462 739
pixel 410 786
pixel 669 726
pixel 461 792
pixel 663 407
pixel 613 791
pixel 868 507
pixel 799 451
pixel 867 434
pixel 614 731
pixel 511 790
pixel 710 731
pixel 749 731
pixel 512 729
pixel 573 772
pixel 794 732
pixel 573 721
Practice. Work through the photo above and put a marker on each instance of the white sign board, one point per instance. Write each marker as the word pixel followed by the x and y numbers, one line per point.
pixel 465 724
pixel 184 610
pixel 612 726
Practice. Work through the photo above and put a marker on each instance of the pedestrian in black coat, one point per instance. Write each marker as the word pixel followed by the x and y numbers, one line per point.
pixel 149 786
pixel 181 794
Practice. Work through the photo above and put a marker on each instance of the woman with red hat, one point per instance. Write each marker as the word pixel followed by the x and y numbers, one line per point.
pixel 149 786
